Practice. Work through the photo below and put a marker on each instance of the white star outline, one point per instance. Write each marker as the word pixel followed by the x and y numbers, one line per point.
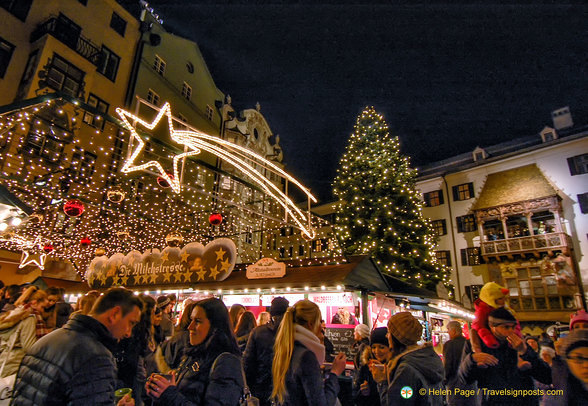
pixel 237 155
pixel 25 260
pixel 129 166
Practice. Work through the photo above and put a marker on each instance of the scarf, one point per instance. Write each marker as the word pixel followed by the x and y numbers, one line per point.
pixel 308 339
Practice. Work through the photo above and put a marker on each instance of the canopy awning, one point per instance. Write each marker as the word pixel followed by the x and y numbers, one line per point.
pixel 44 282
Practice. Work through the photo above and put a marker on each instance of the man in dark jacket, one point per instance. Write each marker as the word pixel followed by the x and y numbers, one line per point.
pixel 259 353
pixel 452 351
pixel 495 369
pixel 74 365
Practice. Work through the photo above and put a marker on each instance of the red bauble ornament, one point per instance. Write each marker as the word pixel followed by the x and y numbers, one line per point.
pixel 84 242
pixel 73 208
pixel 215 219
pixel 161 181
pixel 48 248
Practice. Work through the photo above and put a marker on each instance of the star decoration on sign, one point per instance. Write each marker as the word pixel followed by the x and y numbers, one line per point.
pixel 201 274
pixel 220 254
pixel 214 272
pixel 185 257
pixel 130 166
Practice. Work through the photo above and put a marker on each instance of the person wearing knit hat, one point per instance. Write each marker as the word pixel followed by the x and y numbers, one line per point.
pixel 579 320
pixel 413 365
pixel 497 369
pixel 167 325
pixel 361 335
pixel 575 351
pixel 405 328
pixel 364 386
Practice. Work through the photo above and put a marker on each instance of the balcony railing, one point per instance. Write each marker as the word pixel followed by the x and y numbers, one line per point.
pixel 540 242
pixel 62 30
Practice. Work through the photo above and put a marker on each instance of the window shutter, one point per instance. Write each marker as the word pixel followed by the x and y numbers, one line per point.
pixel 471 189
pixel 444 226
pixel 459 221
pixel 572 165
pixel 583 201
pixel 455 193
pixel 464 257
pixel 441 197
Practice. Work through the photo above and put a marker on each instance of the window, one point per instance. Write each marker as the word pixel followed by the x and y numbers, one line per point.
pixel 578 164
pixel 439 227
pixel 64 76
pixel 290 251
pixel 82 166
pixel 320 245
pixel 226 183
pixel 534 288
pixel 108 63
pixel 18 8
pixel 301 250
pixel 46 146
pixel 183 119
pixel 443 257
pixel 100 105
pixel 209 113
pixel 118 24
pixel 471 256
pixel 466 224
pixel 249 237
pixel 84 2
pixel 281 252
pixel 186 91
pixel 583 201
pixel 463 192
pixel 6 49
pixel 434 198
pixel 159 65
pixel 153 97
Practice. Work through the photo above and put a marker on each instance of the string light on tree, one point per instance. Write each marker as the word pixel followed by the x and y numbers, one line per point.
pixel 379 209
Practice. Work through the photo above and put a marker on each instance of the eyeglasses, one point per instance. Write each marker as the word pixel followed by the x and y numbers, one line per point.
pixel 578 360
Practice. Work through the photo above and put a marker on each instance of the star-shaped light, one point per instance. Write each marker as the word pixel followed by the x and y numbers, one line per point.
pixel 28 258
pixel 130 166
pixel 36 259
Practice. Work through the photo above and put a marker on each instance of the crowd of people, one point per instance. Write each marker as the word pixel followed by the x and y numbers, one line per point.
pixel 126 349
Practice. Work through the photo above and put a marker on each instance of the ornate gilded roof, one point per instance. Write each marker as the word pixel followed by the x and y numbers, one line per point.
pixel 514 185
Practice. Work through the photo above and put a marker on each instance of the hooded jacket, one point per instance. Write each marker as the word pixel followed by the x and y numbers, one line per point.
pixel 418 367
pixel 257 360
pixel 363 374
pixel 69 366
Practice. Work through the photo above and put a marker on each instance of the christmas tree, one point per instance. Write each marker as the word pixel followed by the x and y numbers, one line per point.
pixel 379 210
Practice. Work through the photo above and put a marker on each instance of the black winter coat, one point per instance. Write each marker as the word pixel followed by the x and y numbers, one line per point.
pixel 69 366
pixel 200 382
pixel 257 360
pixel 305 385
pixel 505 375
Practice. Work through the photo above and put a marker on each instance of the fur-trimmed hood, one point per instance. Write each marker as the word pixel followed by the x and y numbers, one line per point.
pixel 422 358
pixel 10 319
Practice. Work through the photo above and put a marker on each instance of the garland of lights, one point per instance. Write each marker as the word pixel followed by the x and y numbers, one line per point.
pixel 142 214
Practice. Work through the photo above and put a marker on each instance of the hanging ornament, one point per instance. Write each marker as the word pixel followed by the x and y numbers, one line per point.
pixel 85 242
pixel 174 239
pixel 116 195
pixel 48 248
pixel 99 252
pixel 161 181
pixel 73 208
pixel 215 219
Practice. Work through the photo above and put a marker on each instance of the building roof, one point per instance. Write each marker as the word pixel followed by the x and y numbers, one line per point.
pixel 514 185
pixel 498 152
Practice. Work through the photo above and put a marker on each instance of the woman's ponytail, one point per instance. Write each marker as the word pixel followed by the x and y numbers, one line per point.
pixel 283 349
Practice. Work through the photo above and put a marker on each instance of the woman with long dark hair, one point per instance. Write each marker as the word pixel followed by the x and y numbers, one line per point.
pixel 244 327
pixel 210 371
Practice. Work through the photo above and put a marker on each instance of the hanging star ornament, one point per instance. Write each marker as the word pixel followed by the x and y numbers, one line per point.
pixel 37 258
pixel 130 166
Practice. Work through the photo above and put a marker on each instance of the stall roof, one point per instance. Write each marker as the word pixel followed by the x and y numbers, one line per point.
pixel 44 282
pixel 399 287
pixel 358 273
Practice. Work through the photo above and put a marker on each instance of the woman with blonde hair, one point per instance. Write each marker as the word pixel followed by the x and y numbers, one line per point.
pixel 298 356
pixel 21 328
pixel 263 318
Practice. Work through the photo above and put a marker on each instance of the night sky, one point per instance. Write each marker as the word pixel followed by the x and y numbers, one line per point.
pixel 446 77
